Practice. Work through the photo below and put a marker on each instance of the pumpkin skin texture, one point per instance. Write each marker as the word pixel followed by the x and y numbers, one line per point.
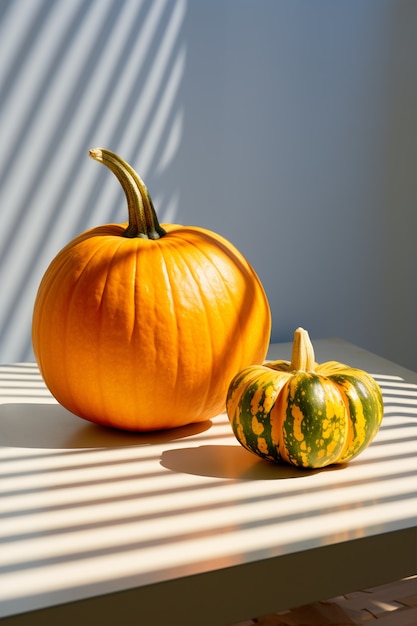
pixel 141 326
pixel 303 413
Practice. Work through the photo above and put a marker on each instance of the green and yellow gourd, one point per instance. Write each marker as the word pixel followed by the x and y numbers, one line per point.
pixel 303 413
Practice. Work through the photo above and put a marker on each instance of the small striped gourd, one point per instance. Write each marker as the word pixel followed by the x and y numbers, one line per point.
pixel 303 413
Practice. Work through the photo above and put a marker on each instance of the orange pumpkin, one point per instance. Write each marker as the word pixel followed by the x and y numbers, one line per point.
pixel 141 326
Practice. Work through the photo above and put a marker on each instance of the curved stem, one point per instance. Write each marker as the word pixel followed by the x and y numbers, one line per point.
pixel 143 221
pixel 302 358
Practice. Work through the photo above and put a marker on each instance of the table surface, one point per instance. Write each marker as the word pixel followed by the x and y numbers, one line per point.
pixel 88 513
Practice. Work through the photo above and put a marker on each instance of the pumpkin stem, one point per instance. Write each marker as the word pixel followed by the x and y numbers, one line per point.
pixel 302 358
pixel 143 221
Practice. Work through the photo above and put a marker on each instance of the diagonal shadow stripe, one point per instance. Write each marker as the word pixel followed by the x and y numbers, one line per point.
pixel 38 24
pixel 64 121
pixel 38 99
pixel 4 9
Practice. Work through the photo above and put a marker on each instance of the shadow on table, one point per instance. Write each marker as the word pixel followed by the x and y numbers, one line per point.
pixel 225 461
pixel 38 425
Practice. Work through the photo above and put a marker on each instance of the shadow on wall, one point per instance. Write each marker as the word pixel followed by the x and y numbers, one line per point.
pixel 75 75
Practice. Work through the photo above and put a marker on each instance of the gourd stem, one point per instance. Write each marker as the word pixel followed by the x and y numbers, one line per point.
pixel 143 221
pixel 302 358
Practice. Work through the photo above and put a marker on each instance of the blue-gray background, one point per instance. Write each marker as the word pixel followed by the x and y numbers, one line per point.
pixel 289 126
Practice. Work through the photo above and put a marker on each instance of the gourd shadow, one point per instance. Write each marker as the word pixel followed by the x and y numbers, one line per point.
pixel 232 461
pixel 47 425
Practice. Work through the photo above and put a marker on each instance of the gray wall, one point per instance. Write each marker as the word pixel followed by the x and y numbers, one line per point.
pixel 288 126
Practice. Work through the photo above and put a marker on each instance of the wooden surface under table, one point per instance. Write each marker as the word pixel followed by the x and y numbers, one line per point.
pixel 187 528
pixel 393 604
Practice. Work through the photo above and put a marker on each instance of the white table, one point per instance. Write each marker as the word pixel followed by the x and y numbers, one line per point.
pixel 186 527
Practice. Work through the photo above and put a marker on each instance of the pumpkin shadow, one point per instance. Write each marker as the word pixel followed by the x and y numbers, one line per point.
pixel 43 425
pixel 233 462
